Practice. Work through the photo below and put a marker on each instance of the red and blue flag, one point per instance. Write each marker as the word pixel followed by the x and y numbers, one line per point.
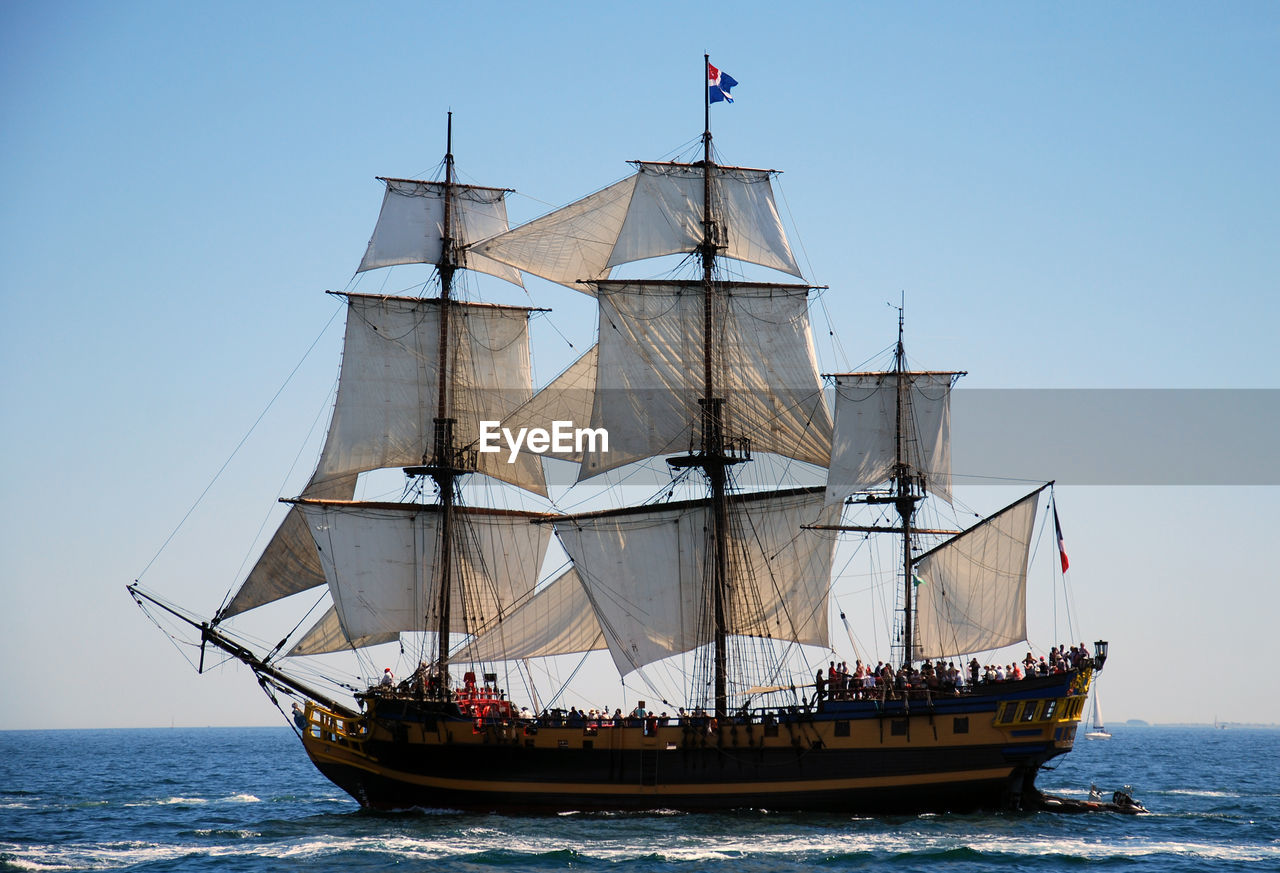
pixel 718 85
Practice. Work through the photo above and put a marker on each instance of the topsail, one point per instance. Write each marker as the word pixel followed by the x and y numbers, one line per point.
pixel 657 211
pixel 874 423
pixel 410 228
pixel 647 396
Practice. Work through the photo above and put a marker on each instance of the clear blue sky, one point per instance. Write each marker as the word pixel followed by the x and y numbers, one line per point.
pixel 1078 195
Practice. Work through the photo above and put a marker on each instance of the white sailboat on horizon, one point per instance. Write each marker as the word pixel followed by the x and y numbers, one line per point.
pixel 1098 730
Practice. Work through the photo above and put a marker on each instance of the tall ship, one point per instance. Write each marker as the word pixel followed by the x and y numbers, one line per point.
pixel 713 592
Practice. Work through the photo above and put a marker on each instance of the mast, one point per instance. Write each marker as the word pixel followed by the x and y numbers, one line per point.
pixel 714 460
pixel 913 456
pixel 443 474
pixel 711 456
pixel 713 424
pixel 906 497
pixel 443 468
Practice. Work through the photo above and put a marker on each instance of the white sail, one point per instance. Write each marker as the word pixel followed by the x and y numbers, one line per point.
pixel 410 228
pixel 972 595
pixel 557 620
pixel 1097 730
pixel 385 412
pixel 643 570
pixel 326 636
pixel 381 560
pixel 658 211
pixel 289 564
pixel 568 397
pixel 647 390
pixel 387 394
pixel 865 443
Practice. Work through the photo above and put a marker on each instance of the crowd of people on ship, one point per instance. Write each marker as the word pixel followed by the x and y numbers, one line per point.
pixel 837 682
pixel 865 682
pixel 697 718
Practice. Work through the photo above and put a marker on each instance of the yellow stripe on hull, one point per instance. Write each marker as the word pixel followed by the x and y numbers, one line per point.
pixel 323 756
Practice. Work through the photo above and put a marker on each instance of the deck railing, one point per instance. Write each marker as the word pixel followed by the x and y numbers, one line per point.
pixel 334 729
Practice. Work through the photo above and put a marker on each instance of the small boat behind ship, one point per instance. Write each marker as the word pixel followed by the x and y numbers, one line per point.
pixel 715 591
pixel 1097 729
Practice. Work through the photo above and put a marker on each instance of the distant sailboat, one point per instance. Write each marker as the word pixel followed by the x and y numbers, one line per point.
pixel 1098 730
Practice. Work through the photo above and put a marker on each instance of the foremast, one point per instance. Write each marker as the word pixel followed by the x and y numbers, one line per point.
pixel 445 464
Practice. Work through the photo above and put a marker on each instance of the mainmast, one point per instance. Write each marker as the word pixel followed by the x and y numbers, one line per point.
pixel 645 216
pixel 714 461
pixel 713 458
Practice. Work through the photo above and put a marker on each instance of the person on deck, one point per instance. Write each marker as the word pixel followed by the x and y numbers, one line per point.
pixel 387 679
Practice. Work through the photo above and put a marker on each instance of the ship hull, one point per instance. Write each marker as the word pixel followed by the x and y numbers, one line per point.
pixel 979 751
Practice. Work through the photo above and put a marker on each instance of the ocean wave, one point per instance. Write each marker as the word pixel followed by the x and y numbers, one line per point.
pixel 498 845
pixel 178 800
pixel 224 832
pixel 241 798
pixel 619 813
pixel 170 801
pixel 108 856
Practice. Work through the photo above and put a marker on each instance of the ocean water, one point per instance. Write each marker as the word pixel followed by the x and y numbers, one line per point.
pixel 247 799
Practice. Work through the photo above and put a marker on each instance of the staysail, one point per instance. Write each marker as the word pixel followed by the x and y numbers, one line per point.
pixel 557 620
pixel 567 397
pixel 326 636
pixel 657 211
pixel 865 444
pixel 972 591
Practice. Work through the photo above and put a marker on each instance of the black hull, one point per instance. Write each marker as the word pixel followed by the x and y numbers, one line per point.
pixel 377 792
pixel 953 754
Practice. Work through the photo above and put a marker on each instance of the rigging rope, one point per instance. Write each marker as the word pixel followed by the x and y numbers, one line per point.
pixel 239 445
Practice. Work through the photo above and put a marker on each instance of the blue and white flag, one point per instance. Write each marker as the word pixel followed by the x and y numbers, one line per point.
pixel 718 85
